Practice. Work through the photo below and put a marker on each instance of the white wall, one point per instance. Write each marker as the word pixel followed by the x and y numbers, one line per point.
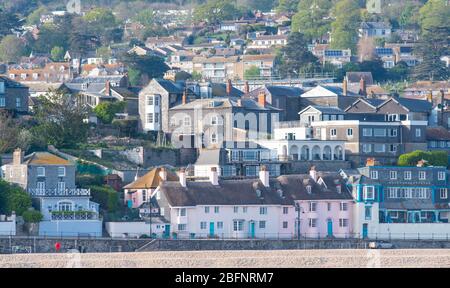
pixel 132 229
pixel 8 228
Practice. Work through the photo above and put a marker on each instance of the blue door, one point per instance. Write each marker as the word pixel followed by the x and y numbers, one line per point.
pixel 252 229
pixel 329 228
pixel 130 203
pixel 167 231
pixel 365 231
pixel 211 229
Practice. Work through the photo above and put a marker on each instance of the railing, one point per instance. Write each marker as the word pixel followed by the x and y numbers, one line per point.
pixel 74 215
pixel 59 193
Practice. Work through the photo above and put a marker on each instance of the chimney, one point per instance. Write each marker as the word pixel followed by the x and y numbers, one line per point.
pixel 422 163
pixel 239 102
pixel 229 87
pixel 213 176
pixel 246 88
pixel 344 86
pixel 182 176
pixel 362 86
pixel 184 97
pixel 264 176
pixel 262 99
pixel 163 174
pixel 17 156
pixel 108 88
pixel 370 162
pixel 313 173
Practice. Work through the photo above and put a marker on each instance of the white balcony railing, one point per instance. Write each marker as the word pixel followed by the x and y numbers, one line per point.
pixel 59 192
pixel 74 215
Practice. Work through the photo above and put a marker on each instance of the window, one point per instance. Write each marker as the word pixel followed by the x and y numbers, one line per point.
pixel 333 132
pixel 149 100
pixel 343 222
pixel 220 225
pixel 407 175
pixel 149 118
pixel 350 132
pixel 369 192
pixel 161 211
pixel 393 148
pixel 285 210
pixel 379 148
pixel 379 132
pixel 368 213
pixel 238 225
pixel 285 224
pixel 393 132
pixel 312 222
pixel 312 206
pixel 216 209
pixel 2 102
pixel 262 224
pixel 235 209
pixel 18 103
pixel 309 189
pixel 418 132
pixel 214 138
pixel 329 206
pixel 61 171
pixel 202 225
pixel 422 175
pixel 244 210
pixel 182 212
pixel 144 196
pixel 373 174
pixel 61 186
pixel 441 175
pixel 181 227
pixel 156 117
pixel 367 132
pixel 156 100
pixel 392 117
pixel 64 206
pixel 367 148
pixel 393 175
pixel 206 210
pixel 443 193
pixel 344 206
pixel 187 121
pixel 263 210
pixel 41 172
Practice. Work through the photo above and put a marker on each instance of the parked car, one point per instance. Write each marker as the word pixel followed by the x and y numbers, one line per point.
pixel 381 245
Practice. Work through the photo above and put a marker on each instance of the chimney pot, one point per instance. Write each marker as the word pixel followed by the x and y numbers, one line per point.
pixel 264 176
pixel 229 87
pixel 184 98
pixel 214 177
pixel 182 176
pixel 108 88
pixel 262 99
pixel 246 88
pixel 344 86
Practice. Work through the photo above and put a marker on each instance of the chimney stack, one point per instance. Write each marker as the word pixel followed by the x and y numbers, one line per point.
pixel 182 176
pixel 163 174
pixel 313 173
pixel 344 86
pixel 264 176
pixel 17 156
pixel 362 87
pixel 213 176
pixel 246 88
pixel 108 88
pixel 262 99
pixel 184 97
pixel 370 162
pixel 229 87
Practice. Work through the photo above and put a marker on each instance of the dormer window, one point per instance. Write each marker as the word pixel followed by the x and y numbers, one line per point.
pixel 309 189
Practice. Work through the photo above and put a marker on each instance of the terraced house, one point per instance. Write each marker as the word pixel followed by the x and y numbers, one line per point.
pixel 67 210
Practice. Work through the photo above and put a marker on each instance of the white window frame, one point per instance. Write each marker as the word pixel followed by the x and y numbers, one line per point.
pixel 441 175
pixel 366 192
pixel 393 175
pixel 443 193
pixel 422 175
pixel 40 171
pixel 373 174
pixel 63 170
pixel 407 175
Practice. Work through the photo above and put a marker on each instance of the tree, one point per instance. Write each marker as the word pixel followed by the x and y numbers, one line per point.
pixel 107 197
pixel 13 198
pixel 433 44
pixel 32 216
pixel 435 13
pixel 252 73
pixel 287 6
pixel 434 158
pixel 399 72
pixel 100 17
pixel 60 121
pixel 11 49
pixel 8 133
pixel 295 57
pixel 50 35
pixel 104 52
pixel 196 76
pixel 35 17
pixel 312 18
pixel 215 11
pixel 8 21
pixel 146 17
pixel 344 34
pixel 57 53
pixel 147 65
pixel 106 111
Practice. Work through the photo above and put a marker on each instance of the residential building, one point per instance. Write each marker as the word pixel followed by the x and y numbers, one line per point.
pixel 268 41
pixel 66 209
pixel 395 202
pixel 54 72
pixel 337 57
pixel 438 138
pixel 386 55
pixel 13 96
pixel 329 95
pixel 375 29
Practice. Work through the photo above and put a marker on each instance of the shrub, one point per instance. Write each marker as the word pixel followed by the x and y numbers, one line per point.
pixel 107 197
pixel 434 158
pixel 32 216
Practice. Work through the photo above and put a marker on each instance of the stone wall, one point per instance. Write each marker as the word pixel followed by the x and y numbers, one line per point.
pixel 150 157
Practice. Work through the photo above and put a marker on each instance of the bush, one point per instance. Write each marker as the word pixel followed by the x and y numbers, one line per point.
pixel 32 216
pixel 106 196
pixel 434 158
pixel 13 198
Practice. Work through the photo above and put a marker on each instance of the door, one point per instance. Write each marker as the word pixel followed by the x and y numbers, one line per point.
pixel 365 230
pixel 167 231
pixel 329 228
pixel 252 229
pixel 211 229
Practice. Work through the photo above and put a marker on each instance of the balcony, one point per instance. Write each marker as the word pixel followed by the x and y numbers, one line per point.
pixel 60 193
pixel 74 215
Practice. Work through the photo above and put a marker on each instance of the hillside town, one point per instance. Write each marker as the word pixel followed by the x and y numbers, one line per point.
pixel 301 120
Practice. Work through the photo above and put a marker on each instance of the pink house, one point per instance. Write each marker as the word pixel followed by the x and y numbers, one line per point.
pixel 140 191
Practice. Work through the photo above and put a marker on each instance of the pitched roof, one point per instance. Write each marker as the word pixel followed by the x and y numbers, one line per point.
pixel 324 109
pixel 413 105
pixel 45 158
pixel 277 91
pixel 170 86
pixel 208 157
pixel 437 133
pixel 355 77
pixel 151 180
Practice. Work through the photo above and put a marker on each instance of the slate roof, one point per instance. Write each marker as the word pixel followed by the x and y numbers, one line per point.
pixel 170 86
pixel 248 104
pixel 44 158
pixel 414 105
pixel 220 90
pixel 9 83
pixel 355 77
pixel 277 91
pixel 325 109
pixel 437 133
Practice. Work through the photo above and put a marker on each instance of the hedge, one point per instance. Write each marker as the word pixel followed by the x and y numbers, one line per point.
pixel 434 158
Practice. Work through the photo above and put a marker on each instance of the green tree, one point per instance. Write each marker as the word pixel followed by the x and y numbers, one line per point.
pixel 60 121
pixel 32 216
pixel 8 21
pixel 50 35
pixel 435 13
pixel 295 57
pixel 13 198
pixel 434 158
pixel 104 52
pixel 106 111
pixel 312 18
pixel 35 17
pixel 147 65
pixel 57 53
pixel 146 17
pixel 215 11
pixel 344 33
pixel 196 76
pixel 11 49
pixel 100 17
pixel 287 6
pixel 252 73
pixel 107 197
